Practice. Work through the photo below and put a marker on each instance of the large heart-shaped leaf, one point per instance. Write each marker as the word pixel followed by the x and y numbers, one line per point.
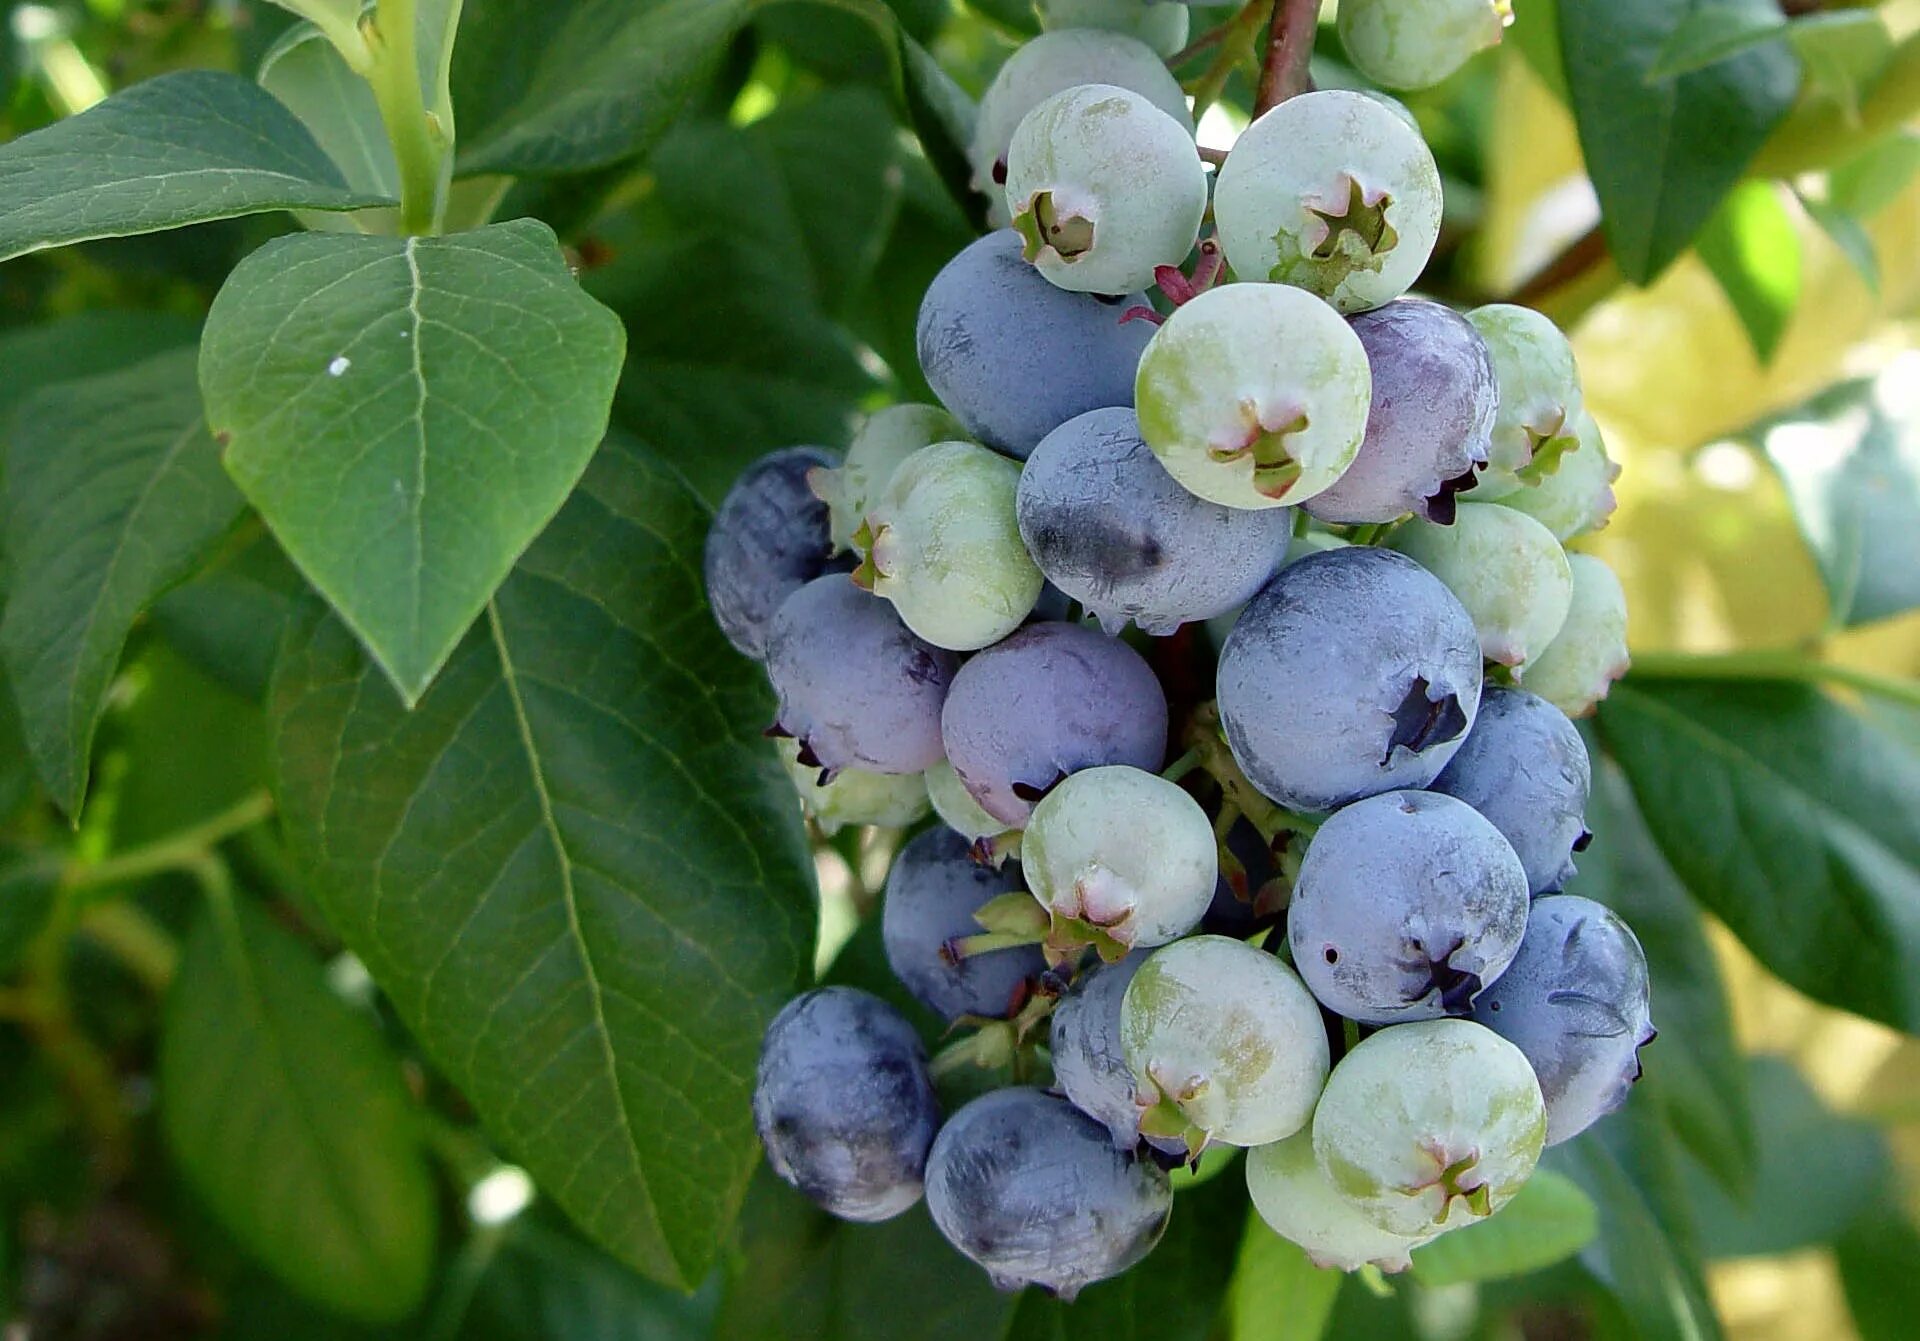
pixel 1793 822
pixel 1662 157
pixel 114 493
pixel 287 1113
pixel 407 413
pixel 181 149
pixel 573 866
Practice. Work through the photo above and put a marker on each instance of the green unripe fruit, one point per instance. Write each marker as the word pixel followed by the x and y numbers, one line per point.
pixel 854 796
pixel 1540 400
pixel 954 804
pixel 888 438
pixel 1507 570
pixel 1294 1197
pixel 1414 44
pixel 1162 26
pixel 1580 665
pixel 1577 496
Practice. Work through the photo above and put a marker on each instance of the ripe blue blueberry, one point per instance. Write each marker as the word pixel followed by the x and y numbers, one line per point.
pixel 857 689
pixel 1525 768
pixel 1110 527
pixel 769 539
pixel 844 1104
pixel 1031 1188
pixel 1407 905
pixel 1430 421
pixel 1049 701
pixel 1012 356
pixel 933 891
pixel 1575 1002
pixel 1354 671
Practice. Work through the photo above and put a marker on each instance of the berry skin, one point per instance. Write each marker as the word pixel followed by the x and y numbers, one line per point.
pixel 1049 701
pixel 1540 399
pixel 888 438
pixel 1525 768
pixel 933 891
pixel 1333 192
pixel 769 539
pixel 942 543
pixel 1506 568
pixel 1104 188
pixel 1030 1188
pixel 1089 1062
pixel 1053 63
pixel 1426 1127
pixel 1577 497
pixel 844 1105
pixel 1298 1203
pixel 1121 858
pixel 1407 905
pixel 1353 672
pixel 1254 395
pixel 856 688
pixel 854 796
pixel 991 839
pixel 1575 1002
pixel 1415 46
pixel 1430 421
pixel 1012 356
pixel 1225 1042
pixel 1110 527
pixel 1580 665
pixel 1162 26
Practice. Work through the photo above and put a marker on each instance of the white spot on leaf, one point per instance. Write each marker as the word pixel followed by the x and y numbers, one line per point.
pixel 339 366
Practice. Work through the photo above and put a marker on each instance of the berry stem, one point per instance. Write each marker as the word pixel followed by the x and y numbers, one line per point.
pixel 1289 54
pixel 1774 664
pixel 422 143
pixel 1235 40
pixel 1182 766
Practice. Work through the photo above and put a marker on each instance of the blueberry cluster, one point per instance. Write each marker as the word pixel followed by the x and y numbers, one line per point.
pixel 1203 483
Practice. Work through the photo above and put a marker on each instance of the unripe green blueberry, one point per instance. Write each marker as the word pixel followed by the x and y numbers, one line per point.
pixel 1579 666
pixel 1425 1127
pixel 1416 45
pixel 1121 858
pixel 853 795
pixel 943 544
pixel 888 437
pixel 1162 26
pixel 957 809
pixel 1294 1197
pixel 1225 1043
pixel 1505 567
pixel 1576 497
pixel 1104 188
pixel 1052 63
pixel 1332 192
pixel 1540 400
pixel 1254 395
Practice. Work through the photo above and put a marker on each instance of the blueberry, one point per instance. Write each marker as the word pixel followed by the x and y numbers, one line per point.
pixel 1354 671
pixel 1161 24
pixel 856 688
pixel 1414 44
pixel 1292 1194
pixel 1540 397
pixel 1525 768
pixel 1089 1063
pixel 1430 420
pixel 1575 1002
pixel 770 538
pixel 1109 526
pixel 1407 905
pixel 1012 356
pixel 933 891
pixel 1049 701
pixel 1576 497
pixel 1506 568
pixel 844 1104
pixel 885 440
pixel 853 796
pixel 1031 1188
pixel 1579 666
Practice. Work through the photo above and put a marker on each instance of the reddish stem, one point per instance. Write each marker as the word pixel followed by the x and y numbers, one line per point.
pixel 1289 54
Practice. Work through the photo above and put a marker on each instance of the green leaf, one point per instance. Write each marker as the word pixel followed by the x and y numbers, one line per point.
pixel 338 108
pixel 1817 1173
pixel 1791 821
pixel 1844 53
pixel 1880 1269
pixel 1696 1073
pixel 544 1282
pixel 28 883
pixel 1850 460
pixel 184 746
pixel 114 493
pixel 407 414
pixel 181 149
pixel 287 1115
pixel 229 619
pixel 1709 35
pixel 1277 1293
pixel 1874 178
pixel 1175 1295
pixel 1846 232
pixel 556 86
pixel 574 867
pixel 83 345
pixel 1535 34
pixel 1548 1221
pixel 1752 248
pixel 1662 158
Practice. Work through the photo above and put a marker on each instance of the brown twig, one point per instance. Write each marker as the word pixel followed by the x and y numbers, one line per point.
pixel 1289 54
pixel 1583 254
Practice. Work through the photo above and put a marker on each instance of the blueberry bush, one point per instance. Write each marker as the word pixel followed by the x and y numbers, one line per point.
pixel 821 669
